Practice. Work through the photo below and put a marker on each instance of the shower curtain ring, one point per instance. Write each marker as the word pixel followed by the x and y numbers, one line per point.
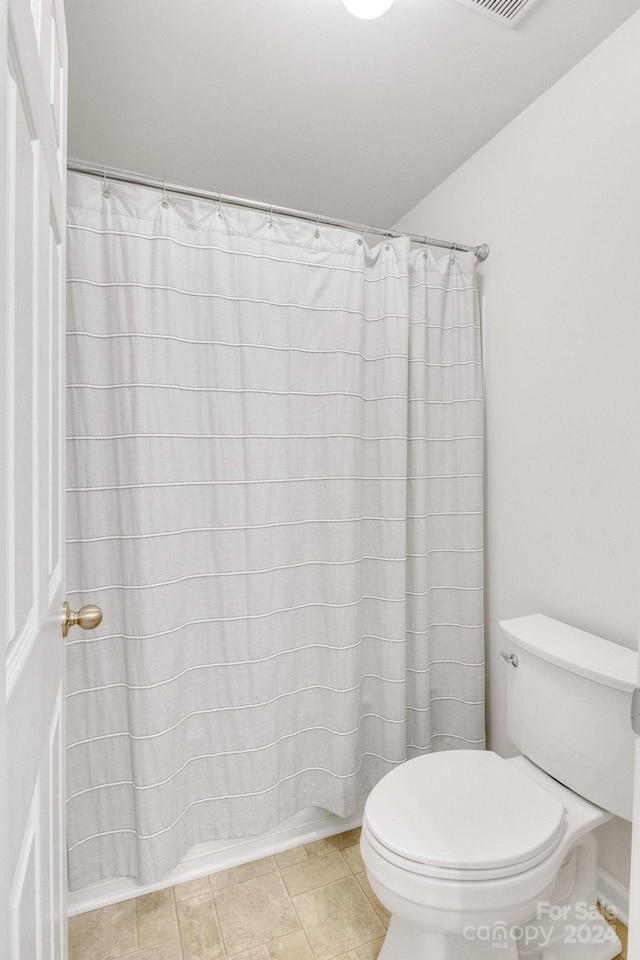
pixel 165 202
pixel 453 254
pixel 219 209
pixel 270 221
pixel 106 192
pixel 317 233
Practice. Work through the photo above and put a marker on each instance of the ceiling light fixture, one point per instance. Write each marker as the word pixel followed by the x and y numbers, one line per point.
pixel 367 9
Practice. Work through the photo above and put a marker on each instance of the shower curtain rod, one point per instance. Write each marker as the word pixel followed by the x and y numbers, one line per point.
pixel 112 173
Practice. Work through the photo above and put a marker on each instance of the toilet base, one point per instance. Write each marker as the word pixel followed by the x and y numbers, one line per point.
pixel 590 939
pixel 559 922
pixel 409 941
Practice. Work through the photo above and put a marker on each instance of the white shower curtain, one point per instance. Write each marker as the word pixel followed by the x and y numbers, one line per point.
pixel 275 473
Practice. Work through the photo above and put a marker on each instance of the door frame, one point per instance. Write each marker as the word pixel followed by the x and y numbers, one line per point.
pixel 32 575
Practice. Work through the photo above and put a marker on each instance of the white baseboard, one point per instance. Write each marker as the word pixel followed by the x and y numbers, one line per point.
pixel 613 895
pixel 206 858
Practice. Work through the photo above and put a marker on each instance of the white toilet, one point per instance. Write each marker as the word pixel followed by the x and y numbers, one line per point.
pixel 476 856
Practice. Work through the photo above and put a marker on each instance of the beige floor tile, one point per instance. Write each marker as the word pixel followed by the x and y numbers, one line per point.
pixel 256 953
pixel 338 842
pixel 255 912
pixel 381 912
pixel 241 873
pixel 191 888
pixel 337 918
pixel 623 933
pixel 289 857
pixel 156 918
pixel 199 931
pixel 314 873
pixel 354 859
pixel 351 836
pixel 370 951
pixel 104 934
pixel 293 947
pixel 170 950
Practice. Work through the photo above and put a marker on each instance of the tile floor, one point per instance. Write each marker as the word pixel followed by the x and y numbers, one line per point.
pixel 623 933
pixel 310 903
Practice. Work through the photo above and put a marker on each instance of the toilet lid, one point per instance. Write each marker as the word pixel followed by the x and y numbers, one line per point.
pixel 464 810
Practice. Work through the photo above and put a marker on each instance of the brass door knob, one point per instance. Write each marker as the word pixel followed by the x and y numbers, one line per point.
pixel 87 617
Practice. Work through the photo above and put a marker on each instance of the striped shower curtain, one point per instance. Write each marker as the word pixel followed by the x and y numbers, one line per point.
pixel 275 494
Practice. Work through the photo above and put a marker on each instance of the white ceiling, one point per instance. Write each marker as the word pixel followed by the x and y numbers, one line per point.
pixel 297 103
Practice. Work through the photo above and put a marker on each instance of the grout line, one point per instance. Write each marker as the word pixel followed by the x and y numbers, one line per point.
pixel 239 882
pixel 175 912
pixel 135 914
pixel 318 886
pixel 304 932
pixel 217 919
pixel 372 903
pixel 306 938
pixel 160 943
pixel 371 906
pixel 351 875
pixel 290 898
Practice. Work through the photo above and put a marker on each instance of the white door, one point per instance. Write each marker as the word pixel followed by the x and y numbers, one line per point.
pixel 32 227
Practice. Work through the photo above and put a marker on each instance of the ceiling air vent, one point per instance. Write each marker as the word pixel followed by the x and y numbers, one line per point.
pixel 506 12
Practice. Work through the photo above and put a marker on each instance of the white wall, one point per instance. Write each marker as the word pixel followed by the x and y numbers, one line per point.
pixel 296 102
pixel 557 196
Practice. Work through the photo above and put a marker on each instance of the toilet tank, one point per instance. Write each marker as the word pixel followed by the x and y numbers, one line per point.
pixel 569 707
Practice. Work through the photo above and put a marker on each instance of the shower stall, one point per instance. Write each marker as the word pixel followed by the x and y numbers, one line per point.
pixel 275 458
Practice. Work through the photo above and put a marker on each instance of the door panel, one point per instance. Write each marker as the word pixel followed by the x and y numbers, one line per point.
pixel 32 218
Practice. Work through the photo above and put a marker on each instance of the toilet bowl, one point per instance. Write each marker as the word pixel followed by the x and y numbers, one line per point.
pixel 464 848
pixel 476 856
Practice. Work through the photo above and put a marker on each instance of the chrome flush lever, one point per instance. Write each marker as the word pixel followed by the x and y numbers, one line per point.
pixel 509 657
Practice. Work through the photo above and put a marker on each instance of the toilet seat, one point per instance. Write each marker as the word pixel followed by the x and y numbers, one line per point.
pixel 463 815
